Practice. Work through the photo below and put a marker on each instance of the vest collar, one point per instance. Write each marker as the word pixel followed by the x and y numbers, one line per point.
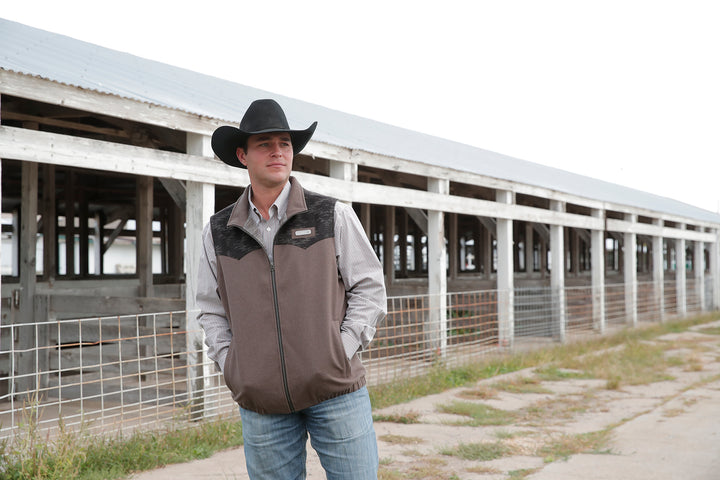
pixel 241 211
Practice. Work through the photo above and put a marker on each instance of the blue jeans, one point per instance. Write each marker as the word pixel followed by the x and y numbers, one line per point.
pixel 341 432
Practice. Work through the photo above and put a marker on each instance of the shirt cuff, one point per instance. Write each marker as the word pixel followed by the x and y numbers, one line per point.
pixel 350 343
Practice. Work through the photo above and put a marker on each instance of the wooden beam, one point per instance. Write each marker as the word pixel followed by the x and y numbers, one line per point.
pixel 112 132
pixel 106 305
pixel 26 333
pixel 177 191
pixel 489 223
pixel 49 217
pixel 419 217
pixel 23 144
pixel 143 238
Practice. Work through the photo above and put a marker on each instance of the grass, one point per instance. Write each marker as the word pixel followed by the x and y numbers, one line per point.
pixel 710 330
pixel 400 439
pixel 404 418
pixel 637 363
pixel 85 457
pixel 477 413
pixel 482 451
pixel 521 385
pixel 441 378
pixel 566 445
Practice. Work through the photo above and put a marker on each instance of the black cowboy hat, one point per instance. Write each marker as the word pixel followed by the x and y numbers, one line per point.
pixel 262 116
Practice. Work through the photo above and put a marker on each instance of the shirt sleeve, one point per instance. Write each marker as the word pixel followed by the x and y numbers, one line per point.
pixel 212 317
pixel 362 275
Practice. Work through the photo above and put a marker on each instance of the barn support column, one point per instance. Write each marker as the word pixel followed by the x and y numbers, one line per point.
pixel 389 245
pixel 529 249
pixel 505 274
pixel 715 270
pixel 344 171
pixel 49 221
pixel 699 271
pixel 487 248
pixel 557 273
pixel 681 274
pixel 630 271
pixel 453 246
pixel 437 272
pixel 199 208
pixel 658 272
pixel 144 235
pixel 365 218
pixel 597 258
pixel 26 340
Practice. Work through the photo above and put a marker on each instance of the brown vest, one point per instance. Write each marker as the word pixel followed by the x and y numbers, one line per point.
pixel 286 353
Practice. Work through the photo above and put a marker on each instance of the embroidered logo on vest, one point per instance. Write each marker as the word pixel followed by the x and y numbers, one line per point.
pixel 303 233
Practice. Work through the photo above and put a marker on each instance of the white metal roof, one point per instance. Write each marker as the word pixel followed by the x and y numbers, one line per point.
pixel 69 61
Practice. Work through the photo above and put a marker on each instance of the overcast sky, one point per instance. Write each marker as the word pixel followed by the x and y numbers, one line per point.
pixel 626 91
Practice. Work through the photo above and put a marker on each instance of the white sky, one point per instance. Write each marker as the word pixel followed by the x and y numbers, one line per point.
pixel 625 91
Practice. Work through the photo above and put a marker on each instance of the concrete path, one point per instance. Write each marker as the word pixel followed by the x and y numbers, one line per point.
pixel 662 431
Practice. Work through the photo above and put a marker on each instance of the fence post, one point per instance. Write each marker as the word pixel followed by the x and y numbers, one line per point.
pixel 200 206
pixel 505 274
pixel 597 257
pixel 658 271
pixel 557 272
pixel 437 272
pixel 680 274
pixel 699 271
pixel 630 271
pixel 715 269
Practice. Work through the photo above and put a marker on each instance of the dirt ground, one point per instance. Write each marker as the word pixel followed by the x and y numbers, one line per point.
pixel 662 430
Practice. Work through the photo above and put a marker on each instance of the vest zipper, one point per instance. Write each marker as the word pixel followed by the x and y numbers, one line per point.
pixel 280 342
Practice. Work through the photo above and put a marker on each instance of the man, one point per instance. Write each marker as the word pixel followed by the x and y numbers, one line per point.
pixel 289 291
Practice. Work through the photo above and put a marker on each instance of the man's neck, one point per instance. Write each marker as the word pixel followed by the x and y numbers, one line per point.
pixel 264 197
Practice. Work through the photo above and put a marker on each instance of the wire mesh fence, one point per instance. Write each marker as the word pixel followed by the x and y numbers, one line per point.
pixel 121 373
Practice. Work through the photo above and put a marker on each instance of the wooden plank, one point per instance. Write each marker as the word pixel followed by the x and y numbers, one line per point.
pixel 110 329
pixel 102 305
pixel 143 235
pixel 623 226
pixel 56 149
pixel 49 215
pixel 27 86
pixel 26 339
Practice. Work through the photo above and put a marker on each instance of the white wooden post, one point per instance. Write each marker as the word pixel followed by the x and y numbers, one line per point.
pixel 1 250
pixel 199 208
pixel 437 271
pixel 681 274
pixel 557 272
pixel 699 271
pixel 597 257
pixel 505 274
pixel 630 272
pixel 715 266
pixel 658 272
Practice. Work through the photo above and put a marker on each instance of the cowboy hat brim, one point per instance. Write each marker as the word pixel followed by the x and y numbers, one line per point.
pixel 227 139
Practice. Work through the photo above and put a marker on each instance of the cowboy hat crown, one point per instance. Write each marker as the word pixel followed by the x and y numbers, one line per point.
pixel 262 116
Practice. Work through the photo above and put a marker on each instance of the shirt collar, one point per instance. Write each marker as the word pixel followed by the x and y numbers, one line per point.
pixel 278 208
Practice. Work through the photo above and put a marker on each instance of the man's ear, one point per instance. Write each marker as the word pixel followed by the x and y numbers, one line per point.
pixel 240 152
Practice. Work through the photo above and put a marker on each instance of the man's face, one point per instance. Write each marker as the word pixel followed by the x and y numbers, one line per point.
pixel 268 159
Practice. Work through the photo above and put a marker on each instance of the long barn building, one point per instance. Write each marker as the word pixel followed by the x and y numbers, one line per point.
pixel 108 178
